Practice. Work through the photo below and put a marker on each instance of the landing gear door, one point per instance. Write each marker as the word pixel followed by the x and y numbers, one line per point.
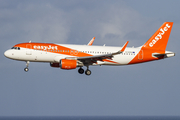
pixel 29 49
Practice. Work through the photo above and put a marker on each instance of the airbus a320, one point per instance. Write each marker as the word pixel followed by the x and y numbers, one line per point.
pixel 69 56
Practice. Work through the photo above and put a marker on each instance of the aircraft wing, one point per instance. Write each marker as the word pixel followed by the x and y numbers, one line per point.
pixel 95 58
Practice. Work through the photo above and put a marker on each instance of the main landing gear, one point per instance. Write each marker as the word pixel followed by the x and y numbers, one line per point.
pixel 81 71
pixel 26 68
pixel 87 72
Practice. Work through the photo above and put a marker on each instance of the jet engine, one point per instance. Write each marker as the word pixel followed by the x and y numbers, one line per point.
pixel 69 64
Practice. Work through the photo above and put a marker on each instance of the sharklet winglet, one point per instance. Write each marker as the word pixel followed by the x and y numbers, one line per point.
pixel 122 50
pixel 91 42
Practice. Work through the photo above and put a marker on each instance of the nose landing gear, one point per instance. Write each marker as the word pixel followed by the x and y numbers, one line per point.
pixel 26 68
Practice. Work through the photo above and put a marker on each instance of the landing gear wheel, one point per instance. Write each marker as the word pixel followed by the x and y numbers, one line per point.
pixel 81 71
pixel 27 64
pixel 26 69
pixel 88 72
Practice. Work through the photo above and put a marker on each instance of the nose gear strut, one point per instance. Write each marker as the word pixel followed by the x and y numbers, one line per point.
pixel 26 68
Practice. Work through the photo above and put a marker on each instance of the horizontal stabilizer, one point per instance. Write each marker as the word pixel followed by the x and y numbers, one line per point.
pixel 164 55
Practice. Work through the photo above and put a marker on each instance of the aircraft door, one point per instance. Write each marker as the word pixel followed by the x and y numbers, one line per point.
pixel 140 55
pixel 29 49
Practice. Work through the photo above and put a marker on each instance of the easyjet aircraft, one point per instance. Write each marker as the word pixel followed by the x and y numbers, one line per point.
pixel 66 56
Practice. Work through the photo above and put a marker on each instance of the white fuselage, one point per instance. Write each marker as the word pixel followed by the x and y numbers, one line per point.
pixel 45 55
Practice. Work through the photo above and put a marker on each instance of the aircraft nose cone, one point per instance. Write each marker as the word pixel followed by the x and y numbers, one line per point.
pixel 7 54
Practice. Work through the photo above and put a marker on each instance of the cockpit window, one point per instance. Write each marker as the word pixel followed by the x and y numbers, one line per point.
pixel 16 48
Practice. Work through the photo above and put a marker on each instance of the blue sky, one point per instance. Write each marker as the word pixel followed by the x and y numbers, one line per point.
pixel 143 89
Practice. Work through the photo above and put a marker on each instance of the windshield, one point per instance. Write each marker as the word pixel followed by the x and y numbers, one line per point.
pixel 16 48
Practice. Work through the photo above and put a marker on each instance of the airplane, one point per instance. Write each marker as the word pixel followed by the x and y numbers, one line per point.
pixel 69 56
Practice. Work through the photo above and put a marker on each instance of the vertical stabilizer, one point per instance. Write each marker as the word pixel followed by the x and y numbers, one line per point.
pixel 160 38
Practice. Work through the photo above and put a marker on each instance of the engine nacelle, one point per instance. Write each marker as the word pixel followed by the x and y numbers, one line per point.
pixel 69 64
pixel 54 65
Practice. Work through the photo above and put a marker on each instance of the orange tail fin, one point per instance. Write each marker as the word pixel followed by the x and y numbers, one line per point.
pixel 160 38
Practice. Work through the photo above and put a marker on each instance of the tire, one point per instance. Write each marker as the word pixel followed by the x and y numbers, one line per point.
pixel 26 69
pixel 88 72
pixel 81 71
